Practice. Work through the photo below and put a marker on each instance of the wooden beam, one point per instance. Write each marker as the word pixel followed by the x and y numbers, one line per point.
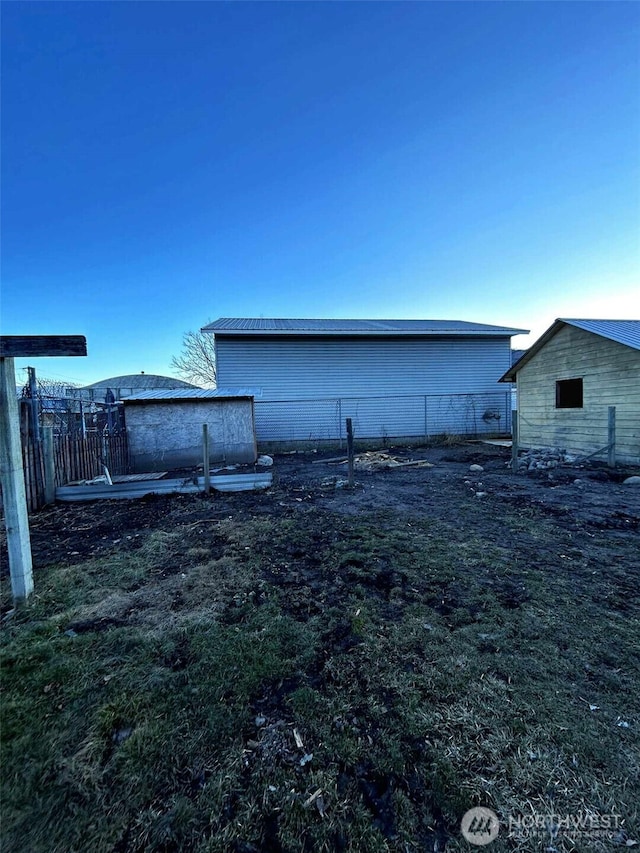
pixel 206 459
pixel 49 466
pixel 26 346
pixel 611 429
pixel 350 452
pixel 15 502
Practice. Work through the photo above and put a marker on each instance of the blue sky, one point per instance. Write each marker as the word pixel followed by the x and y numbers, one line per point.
pixel 165 164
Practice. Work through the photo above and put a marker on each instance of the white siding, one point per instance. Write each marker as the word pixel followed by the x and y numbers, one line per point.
pixel 611 377
pixel 389 387
pixel 309 369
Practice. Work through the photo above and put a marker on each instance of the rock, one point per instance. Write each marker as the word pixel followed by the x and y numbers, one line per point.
pixel 120 735
pixel 477 469
pixel 631 481
pixel 481 494
pixel 541 459
pixel 265 460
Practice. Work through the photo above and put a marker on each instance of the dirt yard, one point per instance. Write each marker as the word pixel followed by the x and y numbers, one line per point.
pixel 311 668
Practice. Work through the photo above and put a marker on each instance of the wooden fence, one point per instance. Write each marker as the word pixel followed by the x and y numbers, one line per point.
pixel 70 458
pixel 33 464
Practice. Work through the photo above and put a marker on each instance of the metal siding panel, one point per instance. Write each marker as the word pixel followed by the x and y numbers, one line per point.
pixel 379 417
pixel 298 420
pixel 388 387
pixel 419 416
pixel 313 369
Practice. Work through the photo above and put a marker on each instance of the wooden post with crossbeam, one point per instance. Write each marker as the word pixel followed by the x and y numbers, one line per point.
pixel 11 468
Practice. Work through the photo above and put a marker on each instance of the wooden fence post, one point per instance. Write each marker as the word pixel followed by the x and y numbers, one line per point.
pixel 611 441
pixel 14 496
pixel 36 436
pixel 514 441
pixel 350 451
pixel 11 467
pixel 206 464
pixel 49 466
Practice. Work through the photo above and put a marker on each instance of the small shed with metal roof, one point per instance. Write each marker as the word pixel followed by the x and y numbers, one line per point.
pixel 568 380
pixel 394 378
pixel 164 427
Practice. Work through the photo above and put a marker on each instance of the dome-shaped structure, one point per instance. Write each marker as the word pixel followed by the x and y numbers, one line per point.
pixel 124 386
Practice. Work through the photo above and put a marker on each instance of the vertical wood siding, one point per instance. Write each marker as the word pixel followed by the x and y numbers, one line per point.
pixel 75 458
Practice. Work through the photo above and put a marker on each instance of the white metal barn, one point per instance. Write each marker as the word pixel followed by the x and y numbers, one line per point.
pixel 395 378
pixel 568 380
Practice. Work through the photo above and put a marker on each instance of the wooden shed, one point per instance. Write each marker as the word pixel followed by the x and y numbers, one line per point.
pixel 567 382
pixel 164 427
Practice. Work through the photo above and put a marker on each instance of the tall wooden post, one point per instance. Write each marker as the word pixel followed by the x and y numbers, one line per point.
pixel 14 497
pixel 15 500
pixel 611 438
pixel 33 399
pixel 206 463
pixel 34 432
pixel 514 441
pixel 49 466
pixel 350 451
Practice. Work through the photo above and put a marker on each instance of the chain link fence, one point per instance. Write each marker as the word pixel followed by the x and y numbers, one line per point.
pixel 417 416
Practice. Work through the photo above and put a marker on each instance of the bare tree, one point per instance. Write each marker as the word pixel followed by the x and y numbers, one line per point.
pixel 197 361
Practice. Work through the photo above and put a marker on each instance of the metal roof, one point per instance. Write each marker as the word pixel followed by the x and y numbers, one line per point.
pixel 626 332
pixel 262 326
pixel 139 380
pixel 188 394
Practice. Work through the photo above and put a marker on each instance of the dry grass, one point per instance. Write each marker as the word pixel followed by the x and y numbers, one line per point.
pixel 195 690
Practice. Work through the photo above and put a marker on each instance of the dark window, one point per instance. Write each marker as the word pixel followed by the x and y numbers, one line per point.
pixel 569 394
